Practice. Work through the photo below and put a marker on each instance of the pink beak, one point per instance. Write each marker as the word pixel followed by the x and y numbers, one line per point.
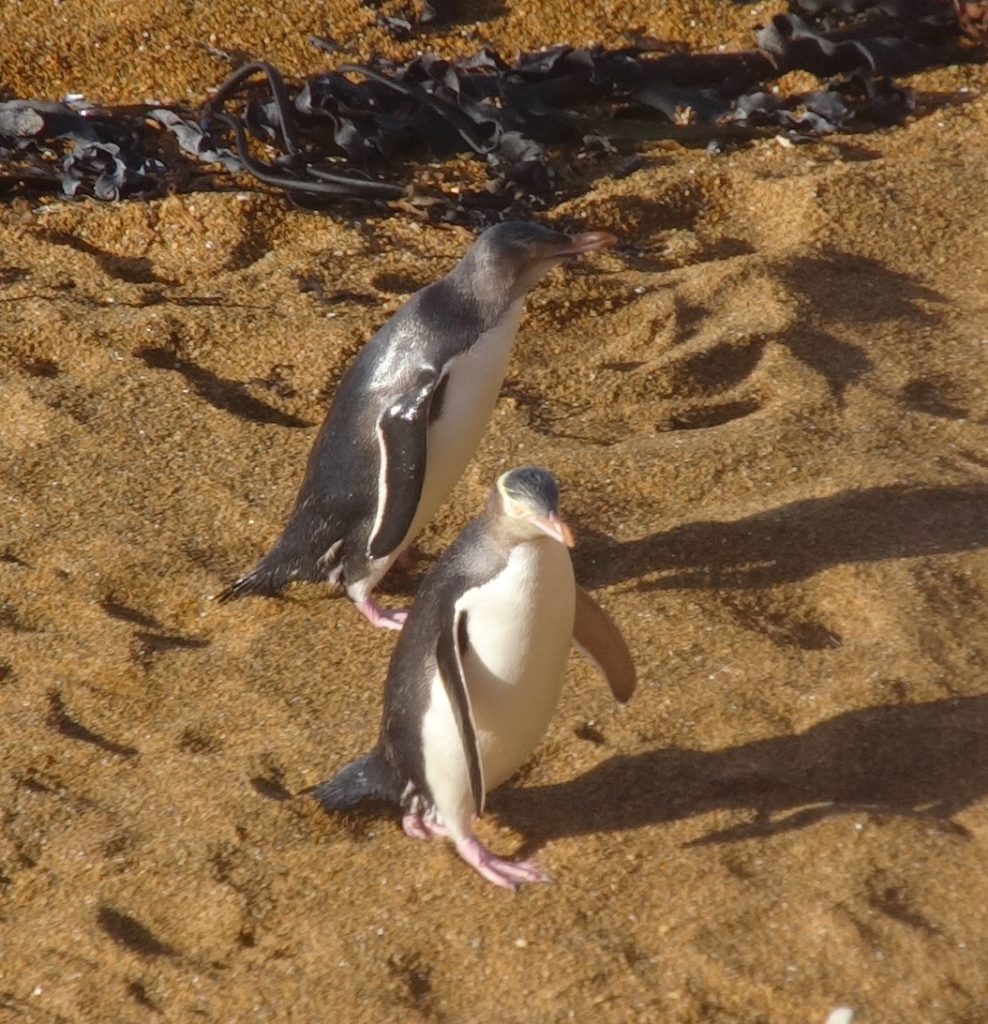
pixel 589 241
pixel 554 527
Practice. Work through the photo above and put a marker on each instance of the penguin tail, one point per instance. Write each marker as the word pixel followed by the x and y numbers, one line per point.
pixel 260 581
pixel 369 777
pixel 289 560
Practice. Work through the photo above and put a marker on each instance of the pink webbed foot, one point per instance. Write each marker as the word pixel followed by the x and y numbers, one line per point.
pixel 508 874
pixel 435 828
pixel 383 618
pixel 414 827
pixel 418 826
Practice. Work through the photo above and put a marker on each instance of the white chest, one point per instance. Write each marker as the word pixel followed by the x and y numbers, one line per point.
pixel 474 379
pixel 520 628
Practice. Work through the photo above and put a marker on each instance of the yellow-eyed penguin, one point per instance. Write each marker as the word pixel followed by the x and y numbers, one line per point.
pixel 407 417
pixel 476 674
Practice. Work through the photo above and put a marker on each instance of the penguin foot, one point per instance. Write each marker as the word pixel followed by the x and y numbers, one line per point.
pixel 418 826
pixel 384 618
pixel 414 827
pixel 508 874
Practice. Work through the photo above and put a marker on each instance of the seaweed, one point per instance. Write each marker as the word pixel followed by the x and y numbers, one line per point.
pixel 355 133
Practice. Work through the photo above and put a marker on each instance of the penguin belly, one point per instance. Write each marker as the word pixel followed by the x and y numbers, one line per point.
pixel 520 629
pixel 473 380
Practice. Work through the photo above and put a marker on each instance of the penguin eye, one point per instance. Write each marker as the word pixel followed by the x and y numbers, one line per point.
pixel 515 509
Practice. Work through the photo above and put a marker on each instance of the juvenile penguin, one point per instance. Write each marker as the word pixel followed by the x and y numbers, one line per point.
pixel 407 417
pixel 476 674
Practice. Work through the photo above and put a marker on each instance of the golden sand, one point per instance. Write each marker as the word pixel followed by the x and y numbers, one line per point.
pixel 770 427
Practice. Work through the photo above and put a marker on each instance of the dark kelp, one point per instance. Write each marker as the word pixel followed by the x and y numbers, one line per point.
pixel 355 132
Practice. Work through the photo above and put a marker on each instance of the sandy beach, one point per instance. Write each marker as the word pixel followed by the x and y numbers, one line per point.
pixel 768 412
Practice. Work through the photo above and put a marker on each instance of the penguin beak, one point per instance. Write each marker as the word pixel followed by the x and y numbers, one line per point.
pixel 589 241
pixel 552 526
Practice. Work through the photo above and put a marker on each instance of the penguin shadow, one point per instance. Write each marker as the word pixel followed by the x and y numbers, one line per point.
pixel 792 541
pixel 132 269
pixel 224 394
pixel 923 761
pixel 855 290
pixel 404 579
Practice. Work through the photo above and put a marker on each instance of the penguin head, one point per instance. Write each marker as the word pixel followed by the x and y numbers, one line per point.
pixel 514 256
pixel 526 504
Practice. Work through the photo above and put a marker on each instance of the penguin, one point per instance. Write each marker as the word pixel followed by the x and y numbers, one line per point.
pixel 477 671
pixel 407 417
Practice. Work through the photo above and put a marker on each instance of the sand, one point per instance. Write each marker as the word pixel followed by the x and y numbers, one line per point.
pixel 770 425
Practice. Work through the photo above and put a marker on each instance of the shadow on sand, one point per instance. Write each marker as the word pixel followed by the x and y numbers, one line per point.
pixel 925 761
pixel 793 541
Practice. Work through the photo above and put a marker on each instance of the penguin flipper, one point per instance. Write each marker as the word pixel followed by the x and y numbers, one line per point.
pixel 597 636
pixel 401 434
pixel 450 649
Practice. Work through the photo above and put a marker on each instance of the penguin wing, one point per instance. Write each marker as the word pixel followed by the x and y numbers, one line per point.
pixel 597 636
pixel 401 435
pixel 450 650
